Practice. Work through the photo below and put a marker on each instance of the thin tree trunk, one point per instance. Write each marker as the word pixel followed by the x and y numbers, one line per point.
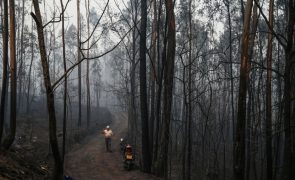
pixel 87 68
pixel 168 85
pixel 4 67
pixel 268 119
pixel 184 119
pixel 159 89
pixel 231 67
pixel 289 152
pixel 152 75
pixel 184 159
pixel 53 43
pixel 239 144
pixel 65 83
pixel 248 134
pixel 189 130
pixel 58 169
pixel 9 140
pixel 79 65
pixel 143 94
pixel 278 136
pixel 30 69
pixel 253 28
pixel 21 70
pixel 133 118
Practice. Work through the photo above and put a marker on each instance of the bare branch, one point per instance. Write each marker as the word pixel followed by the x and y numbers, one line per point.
pixel 35 18
pixel 260 66
pixel 278 36
pixel 90 58
pixel 96 23
pixel 60 15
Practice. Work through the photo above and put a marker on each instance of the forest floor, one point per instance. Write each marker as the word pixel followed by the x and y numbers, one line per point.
pixel 91 161
pixel 28 157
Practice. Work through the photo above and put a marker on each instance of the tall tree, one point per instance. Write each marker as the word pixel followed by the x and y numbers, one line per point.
pixel 9 140
pixel 228 10
pixel 58 168
pixel 146 154
pixel 268 119
pixel 31 65
pixel 65 81
pixel 4 66
pixel 189 126
pixel 239 143
pixel 133 114
pixel 289 151
pixel 79 59
pixel 21 60
pixel 153 76
pixel 169 61
pixel 159 87
pixel 87 67
pixel 253 29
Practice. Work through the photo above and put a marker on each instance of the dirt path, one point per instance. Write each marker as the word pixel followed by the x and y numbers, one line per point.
pixel 90 161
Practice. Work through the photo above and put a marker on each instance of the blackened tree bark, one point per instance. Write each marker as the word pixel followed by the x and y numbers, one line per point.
pixel 30 68
pixel 133 114
pixel 4 66
pixel 79 65
pixel 88 113
pixel 65 83
pixel 10 138
pixel 168 85
pixel 250 118
pixel 152 77
pixel 159 87
pixel 268 119
pixel 58 168
pixel 146 155
pixel 21 53
pixel 228 9
pixel 289 151
pixel 189 126
pixel 239 143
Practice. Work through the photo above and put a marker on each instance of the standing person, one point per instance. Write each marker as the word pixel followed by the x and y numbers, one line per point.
pixel 108 133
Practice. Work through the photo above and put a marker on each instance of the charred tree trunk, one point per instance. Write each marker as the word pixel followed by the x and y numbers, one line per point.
pixel 133 114
pixel 10 138
pixel 21 71
pixel 4 67
pixel 268 119
pixel 289 151
pixel 146 155
pixel 88 113
pixel 168 86
pixel 58 169
pixel 65 83
pixel 152 77
pixel 227 4
pixel 30 69
pixel 79 65
pixel 189 127
pixel 158 89
pixel 239 143
pixel 249 118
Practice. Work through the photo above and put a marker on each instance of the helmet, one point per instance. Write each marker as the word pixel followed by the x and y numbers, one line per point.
pixel 108 127
pixel 128 146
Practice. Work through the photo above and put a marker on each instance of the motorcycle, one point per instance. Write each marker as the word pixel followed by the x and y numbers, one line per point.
pixel 127 154
pixel 128 162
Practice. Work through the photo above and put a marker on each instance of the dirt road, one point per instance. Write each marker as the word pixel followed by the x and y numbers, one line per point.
pixel 90 161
